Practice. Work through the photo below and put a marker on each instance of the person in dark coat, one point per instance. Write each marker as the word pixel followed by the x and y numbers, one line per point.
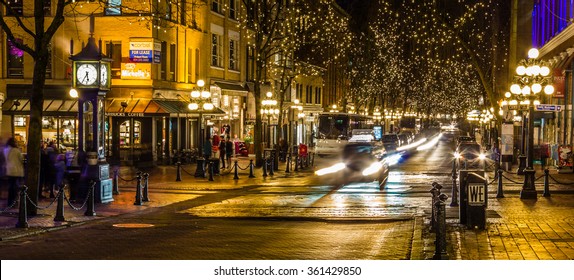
pixel 222 152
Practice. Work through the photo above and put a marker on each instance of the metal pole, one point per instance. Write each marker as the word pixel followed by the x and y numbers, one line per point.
pixel 454 201
pixel 22 212
pixel 138 189
pixel 271 167
pixel 546 192
pixel 90 208
pixel 440 243
pixel 210 166
pixel 288 159
pixel 251 169
pixel 178 172
pixel 115 181
pixel 145 197
pixel 528 188
pixel 499 191
pixel 265 167
pixel 60 207
pixel 235 174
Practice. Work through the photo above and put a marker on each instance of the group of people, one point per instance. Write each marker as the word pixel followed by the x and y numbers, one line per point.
pixel 52 171
pixel 12 162
pixel 220 147
pixel 53 168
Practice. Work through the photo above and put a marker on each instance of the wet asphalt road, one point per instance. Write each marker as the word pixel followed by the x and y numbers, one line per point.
pixel 285 218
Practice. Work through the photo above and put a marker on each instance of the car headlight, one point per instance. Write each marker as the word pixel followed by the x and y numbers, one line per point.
pixel 456 155
pixel 482 156
pixel 331 169
pixel 374 168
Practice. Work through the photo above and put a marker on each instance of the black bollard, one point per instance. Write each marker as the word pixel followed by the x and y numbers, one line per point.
pixel 499 191
pixel 440 242
pixel 296 163
pixel 271 167
pixel 22 212
pixel 288 159
pixel 90 209
pixel 115 187
pixel 210 166
pixel 251 169
pixel 265 167
pixel 546 192
pixel 178 172
pixel 235 174
pixel 454 201
pixel 435 193
pixel 138 189
pixel 145 197
pixel 60 207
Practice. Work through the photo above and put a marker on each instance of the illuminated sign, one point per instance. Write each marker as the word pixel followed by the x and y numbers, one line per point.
pixel 136 71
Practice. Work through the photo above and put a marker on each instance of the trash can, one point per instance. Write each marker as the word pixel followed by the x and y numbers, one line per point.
pixel 473 198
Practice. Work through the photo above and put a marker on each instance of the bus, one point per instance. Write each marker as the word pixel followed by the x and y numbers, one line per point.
pixel 335 129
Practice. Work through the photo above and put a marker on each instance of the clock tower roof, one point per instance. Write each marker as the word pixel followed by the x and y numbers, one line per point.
pixel 90 52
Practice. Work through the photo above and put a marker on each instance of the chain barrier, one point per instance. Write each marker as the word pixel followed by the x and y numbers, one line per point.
pixel 511 180
pixel 9 207
pixel 83 204
pixel 560 183
pixel 186 172
pixel 509 172
pixel 43 208
pixel 246 167
pixel 492 182
pixel 126 180
pixel 540 177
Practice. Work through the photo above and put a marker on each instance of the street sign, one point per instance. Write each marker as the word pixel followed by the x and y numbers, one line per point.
pixel 476 195
pixel 549 107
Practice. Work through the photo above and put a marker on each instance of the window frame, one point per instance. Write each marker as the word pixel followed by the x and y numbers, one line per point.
pixel 233 54
pixel 216 50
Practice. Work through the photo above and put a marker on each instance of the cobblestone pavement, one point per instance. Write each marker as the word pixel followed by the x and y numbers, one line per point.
pixel 516 229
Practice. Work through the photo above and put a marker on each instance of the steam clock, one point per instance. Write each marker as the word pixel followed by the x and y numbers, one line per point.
pixel 90 83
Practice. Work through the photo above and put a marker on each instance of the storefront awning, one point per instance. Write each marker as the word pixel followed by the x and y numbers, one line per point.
pixel 148 107
pixel 51 107
pixel 565 63
pixel 233 89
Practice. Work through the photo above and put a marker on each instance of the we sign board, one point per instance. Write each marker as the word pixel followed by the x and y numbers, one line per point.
pixel 476 194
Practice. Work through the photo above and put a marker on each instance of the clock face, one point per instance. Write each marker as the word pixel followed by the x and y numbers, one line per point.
pixel 87 74
pixel 104 75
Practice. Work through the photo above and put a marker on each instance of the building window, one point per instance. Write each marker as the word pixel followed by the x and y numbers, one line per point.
pixel 233 9
pixel 233 55
pixel 15 8
pixel 216 6
pixel 163 62
pixel 197 68
pixel 189 65
pixel 216 50
pixel 113 8
pixel 15 60
pixel 114 51
pixel 318 95
pixel 250 65
pixel 172 59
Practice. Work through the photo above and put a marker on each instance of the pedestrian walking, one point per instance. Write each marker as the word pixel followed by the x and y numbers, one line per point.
pixel 14 168
pixel 222 152
pixel 229 145
pixel 60 168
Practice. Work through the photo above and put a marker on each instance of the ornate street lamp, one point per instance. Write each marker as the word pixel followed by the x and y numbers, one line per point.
pixel 200 102
pixel 533 77
pixel 269 109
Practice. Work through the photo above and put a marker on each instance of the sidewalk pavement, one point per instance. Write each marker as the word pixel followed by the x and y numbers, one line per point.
pixel 516 229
